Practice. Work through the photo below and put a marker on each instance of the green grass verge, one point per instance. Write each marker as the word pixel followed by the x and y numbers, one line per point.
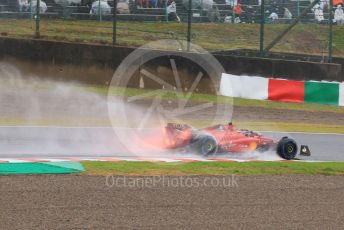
pixel 254 125
pixel 303 38
pixel 214 168
pixel 290 126
pixel 198 97
pixel 261 125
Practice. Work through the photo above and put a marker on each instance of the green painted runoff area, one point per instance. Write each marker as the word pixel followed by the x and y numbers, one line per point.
pixel 41 168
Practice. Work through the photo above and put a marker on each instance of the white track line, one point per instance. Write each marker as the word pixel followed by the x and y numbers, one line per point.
pixel 114 159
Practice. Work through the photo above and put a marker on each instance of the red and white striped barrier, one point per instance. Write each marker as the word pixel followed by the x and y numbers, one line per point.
pixel 115 159
pixel 133 159
pixel 244 86
pixel 260 88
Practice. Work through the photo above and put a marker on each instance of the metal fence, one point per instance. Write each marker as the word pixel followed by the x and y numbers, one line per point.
pixel 262 26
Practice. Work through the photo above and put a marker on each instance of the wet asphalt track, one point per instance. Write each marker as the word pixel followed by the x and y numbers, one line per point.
pixel 17 142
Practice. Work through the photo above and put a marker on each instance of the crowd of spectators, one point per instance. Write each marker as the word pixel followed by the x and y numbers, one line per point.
pixel 319 9
pixel 232 11
pixel 27 5
pixel 278 12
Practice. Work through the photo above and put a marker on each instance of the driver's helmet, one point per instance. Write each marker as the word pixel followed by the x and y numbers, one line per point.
pixel 221 127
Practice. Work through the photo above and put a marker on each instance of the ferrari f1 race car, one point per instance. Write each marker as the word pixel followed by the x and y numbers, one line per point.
pixel 226 139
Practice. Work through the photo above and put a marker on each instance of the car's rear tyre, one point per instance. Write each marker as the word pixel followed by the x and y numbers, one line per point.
pixel 287 148
pixel 207 146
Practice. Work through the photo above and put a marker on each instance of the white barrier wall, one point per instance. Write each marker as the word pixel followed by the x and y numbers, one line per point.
pixel 230 85
pixel 341 94
pixel 244 86
pixel 255 87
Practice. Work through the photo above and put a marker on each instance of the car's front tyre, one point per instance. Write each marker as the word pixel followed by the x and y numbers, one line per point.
pixel 287 148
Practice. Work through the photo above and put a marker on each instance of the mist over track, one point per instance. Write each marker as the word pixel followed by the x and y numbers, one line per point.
pixel 54 142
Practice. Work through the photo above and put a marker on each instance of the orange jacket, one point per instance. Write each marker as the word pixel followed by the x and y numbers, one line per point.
pixel 237 9
pixel 336 2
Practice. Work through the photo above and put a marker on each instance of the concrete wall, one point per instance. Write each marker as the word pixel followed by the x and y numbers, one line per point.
pixel 286 65
pixel 92 64
pixel 95 64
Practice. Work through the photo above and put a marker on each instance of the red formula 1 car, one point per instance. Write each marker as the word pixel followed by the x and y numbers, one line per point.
pixel 226 139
